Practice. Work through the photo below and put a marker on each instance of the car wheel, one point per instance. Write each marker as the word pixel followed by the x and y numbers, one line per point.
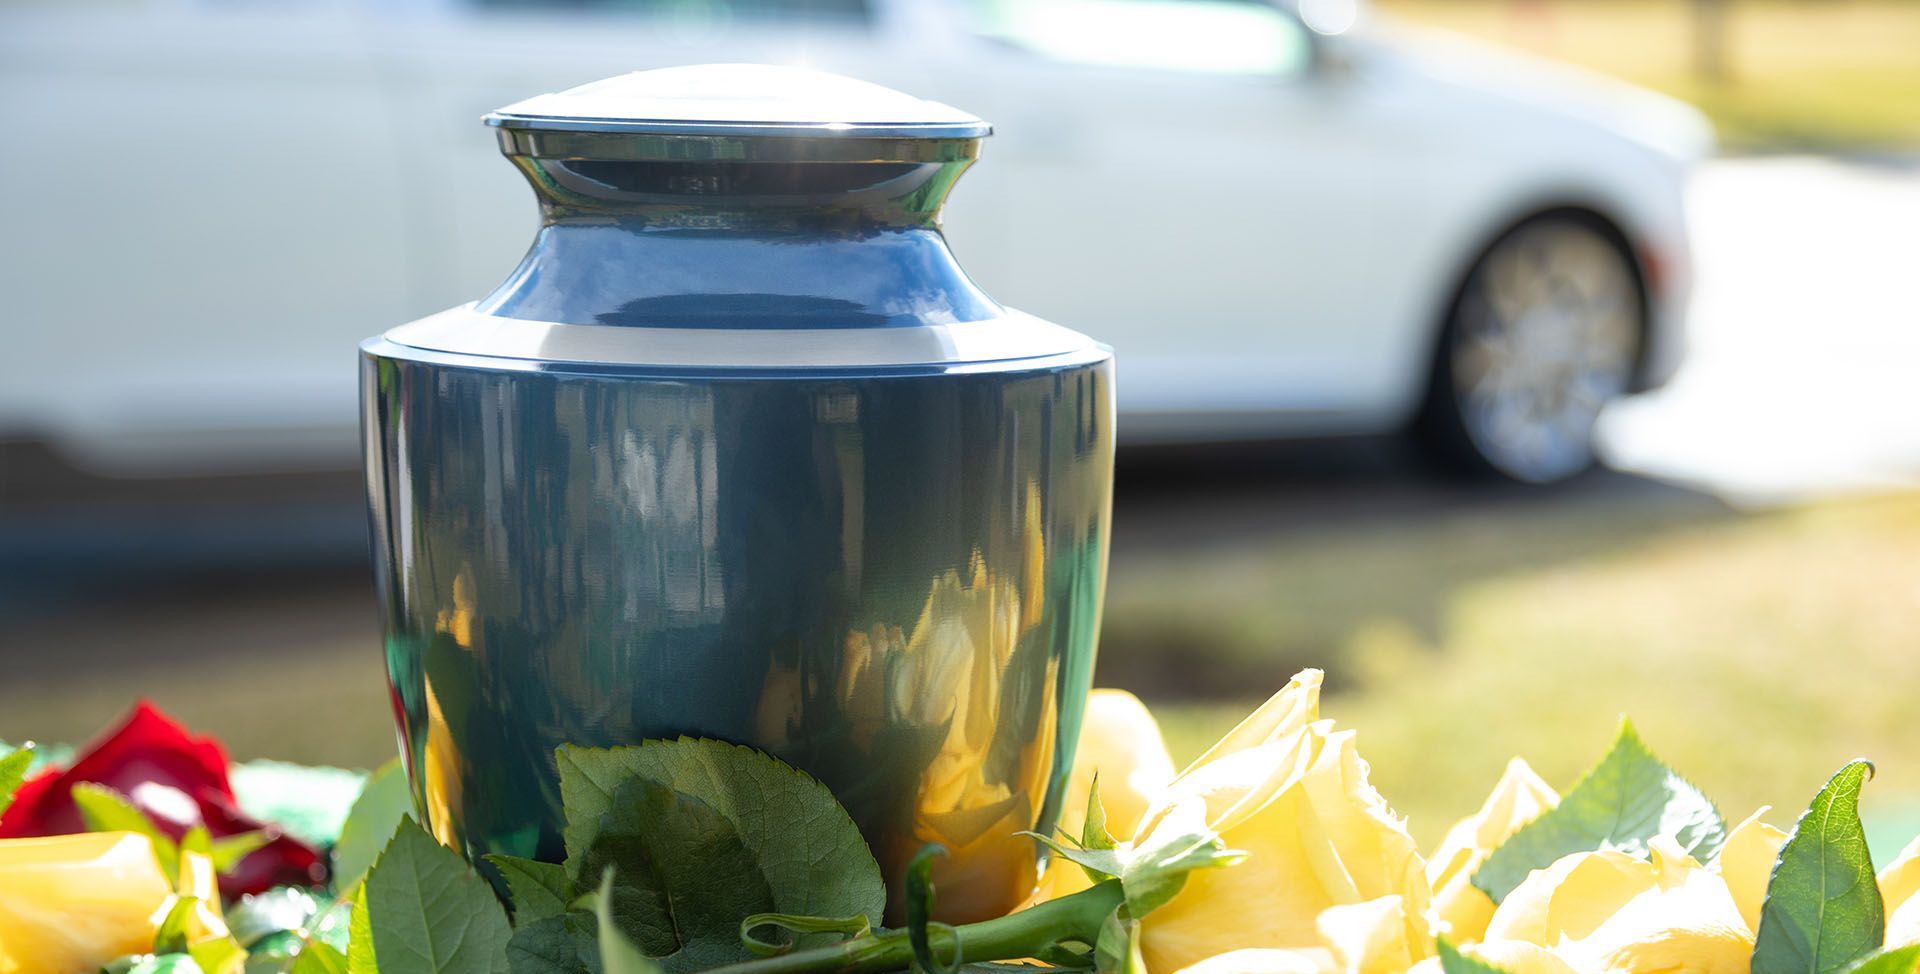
pixel 1545 331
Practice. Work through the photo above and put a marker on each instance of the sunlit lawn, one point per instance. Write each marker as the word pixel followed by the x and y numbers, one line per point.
pixel 1757 654
pixel 1756 651
pixel 1801 73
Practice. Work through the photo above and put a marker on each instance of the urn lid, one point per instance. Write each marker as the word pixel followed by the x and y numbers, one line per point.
pixel 725 217
pixel 740 100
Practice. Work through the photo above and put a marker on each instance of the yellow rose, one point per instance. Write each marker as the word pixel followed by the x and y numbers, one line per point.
pixel 1460 909
pixel 1374 937
pixel 1120 742
pixel 1610 913
pixel 1330 871
pixel 74 902
pixel 1899 883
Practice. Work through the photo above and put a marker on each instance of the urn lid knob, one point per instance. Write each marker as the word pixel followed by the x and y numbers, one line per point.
pixel 741 100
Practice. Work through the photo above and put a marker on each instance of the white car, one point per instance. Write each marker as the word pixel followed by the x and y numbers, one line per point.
pixel 1285 222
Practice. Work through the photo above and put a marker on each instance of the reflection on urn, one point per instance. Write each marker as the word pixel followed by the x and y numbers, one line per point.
pixel 948 681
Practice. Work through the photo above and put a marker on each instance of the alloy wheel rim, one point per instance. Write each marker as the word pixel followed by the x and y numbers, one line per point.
pixel 1548 332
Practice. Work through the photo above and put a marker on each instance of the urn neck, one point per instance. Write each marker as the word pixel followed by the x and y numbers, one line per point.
pixel 641 271
pixel 738 183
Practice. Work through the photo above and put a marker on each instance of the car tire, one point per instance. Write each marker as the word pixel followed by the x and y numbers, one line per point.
pixel 1545 329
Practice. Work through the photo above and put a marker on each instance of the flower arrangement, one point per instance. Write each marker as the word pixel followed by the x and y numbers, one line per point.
pixel 1270 854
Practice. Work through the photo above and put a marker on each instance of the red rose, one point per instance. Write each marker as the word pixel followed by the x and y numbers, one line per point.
pixel 179 782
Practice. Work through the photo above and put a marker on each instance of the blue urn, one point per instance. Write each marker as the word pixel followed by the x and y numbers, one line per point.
pixel 738 451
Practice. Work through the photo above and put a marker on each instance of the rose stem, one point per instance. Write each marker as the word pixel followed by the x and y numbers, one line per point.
pixel 1011 937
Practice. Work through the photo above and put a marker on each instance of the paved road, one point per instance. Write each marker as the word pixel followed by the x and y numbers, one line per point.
pixel 1804 369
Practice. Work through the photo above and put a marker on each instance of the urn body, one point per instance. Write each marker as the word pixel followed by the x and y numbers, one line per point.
pixel 739 452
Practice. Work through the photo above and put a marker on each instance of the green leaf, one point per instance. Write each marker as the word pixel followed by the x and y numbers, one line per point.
pixel 258 915
pixel 1155 873
pixel 13 771
pixel 274 953
pixel 360 959
pixel 1627 799
pixel 43 755
pixel 106 810
pixel 171 936
pixel 1823 909
pixel 1094 834
pixel 430 912
pixel 566 943
pixel 319 958
pixel 375 815
pixel 1099 864
pixel 832 873
pixel 197 839
pixel 1452 961
pixel 1118 951
pixel 540 889
pixel 618 955
pixel 921 926
pixel 227 851
pixel 682 876
pixel 333 926
pixel 1895 960
pixel 308 803
pixel 220 955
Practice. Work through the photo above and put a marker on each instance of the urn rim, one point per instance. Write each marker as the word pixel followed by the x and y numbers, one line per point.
pixel 740 101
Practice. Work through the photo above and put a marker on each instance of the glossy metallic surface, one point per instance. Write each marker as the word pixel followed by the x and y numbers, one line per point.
pixel 888 575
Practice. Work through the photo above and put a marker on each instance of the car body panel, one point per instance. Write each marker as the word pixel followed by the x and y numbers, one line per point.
pixel 226 200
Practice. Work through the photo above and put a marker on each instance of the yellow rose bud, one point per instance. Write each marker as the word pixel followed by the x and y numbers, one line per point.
pixel 1460 909
pixel 1610 912
pixel 1291 792
pixel 74 902
pixel 1119 741
pixel 1899 883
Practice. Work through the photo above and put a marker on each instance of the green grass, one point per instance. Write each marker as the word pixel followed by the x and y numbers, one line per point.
pixel 1805 74
pixel 1755 654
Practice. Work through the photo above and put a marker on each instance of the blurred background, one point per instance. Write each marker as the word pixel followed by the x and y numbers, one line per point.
pixel 1521 362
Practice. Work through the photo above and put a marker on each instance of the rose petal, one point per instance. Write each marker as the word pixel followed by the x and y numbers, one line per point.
pixel 1460 909
pixel 1746 863
pixel 1264 960
pixel 1570 898
pixel 1294 707
pixel 74 902
pixel 1371 937
pixel 1899 883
